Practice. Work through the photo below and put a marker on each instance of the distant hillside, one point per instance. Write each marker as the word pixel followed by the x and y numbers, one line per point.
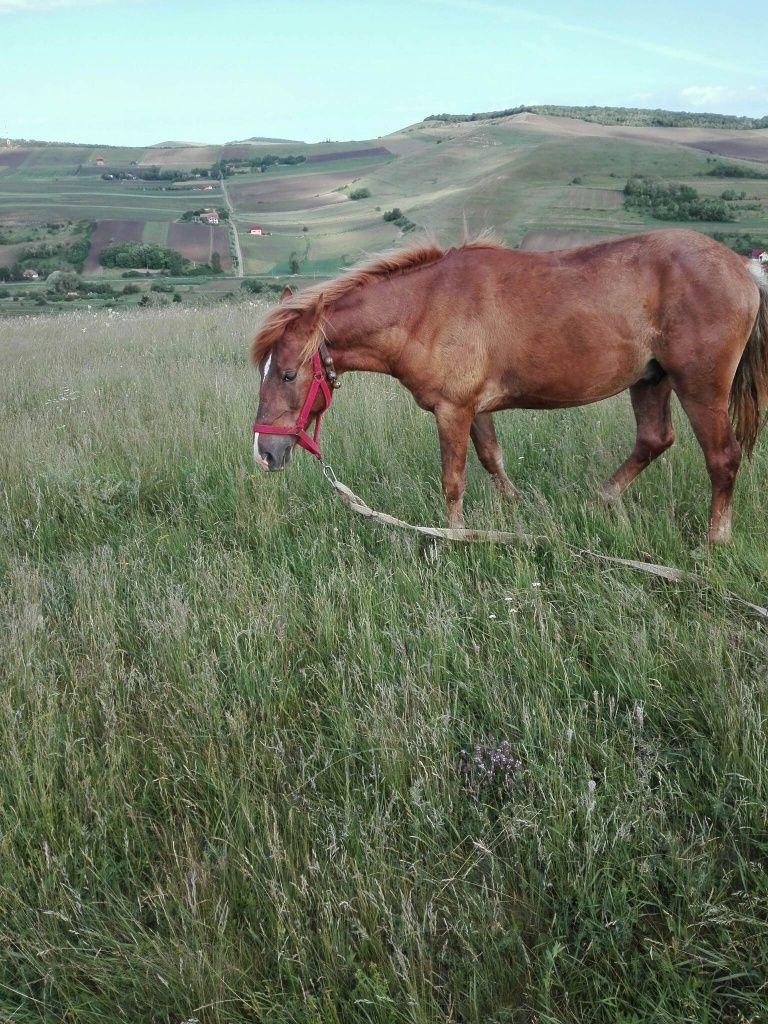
pixel 254 140
pixel 635 116
pixel 264 138
pixel 540 177
pixel 171 144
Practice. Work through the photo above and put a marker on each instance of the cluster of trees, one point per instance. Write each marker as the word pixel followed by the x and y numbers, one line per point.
pixel 45 256
pixel 151 256
pixel 360 193
pixel 637 116
pixel 741 242
pixel 160 174
pixel 668 200
pixel 721 170
pixel 396 216
pixel 222 167
pixel 190 215
pixel 487 116
pixel 256 287
pixel 657 117
pixel 144 254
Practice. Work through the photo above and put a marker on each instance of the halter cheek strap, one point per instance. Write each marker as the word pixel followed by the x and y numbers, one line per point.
pixel 322 375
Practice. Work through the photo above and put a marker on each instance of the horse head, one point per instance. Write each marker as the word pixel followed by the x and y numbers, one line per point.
pixel 295 383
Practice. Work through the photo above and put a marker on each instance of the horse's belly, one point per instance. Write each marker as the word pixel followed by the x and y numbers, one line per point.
pixel 557 387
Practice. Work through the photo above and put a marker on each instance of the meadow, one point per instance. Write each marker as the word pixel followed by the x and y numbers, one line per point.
pixel 266 761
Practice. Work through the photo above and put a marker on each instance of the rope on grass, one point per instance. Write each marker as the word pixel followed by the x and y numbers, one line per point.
pixel 666 572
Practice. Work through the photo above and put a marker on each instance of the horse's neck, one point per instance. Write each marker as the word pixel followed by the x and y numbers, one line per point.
pixel 366 335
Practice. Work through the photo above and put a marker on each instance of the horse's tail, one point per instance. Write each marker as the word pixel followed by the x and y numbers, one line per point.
pixel 749 391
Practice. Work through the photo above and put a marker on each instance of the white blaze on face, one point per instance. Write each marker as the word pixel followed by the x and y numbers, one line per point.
pixel 258 457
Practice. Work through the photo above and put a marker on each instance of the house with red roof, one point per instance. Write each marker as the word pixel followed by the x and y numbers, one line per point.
pixel 255 229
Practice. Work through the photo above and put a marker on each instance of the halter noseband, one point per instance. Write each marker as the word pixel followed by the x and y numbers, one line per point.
pixel 323 380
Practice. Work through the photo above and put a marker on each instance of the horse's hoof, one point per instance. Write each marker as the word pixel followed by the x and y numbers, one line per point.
pixel 609 495
pixel 506 489
pixel 719 537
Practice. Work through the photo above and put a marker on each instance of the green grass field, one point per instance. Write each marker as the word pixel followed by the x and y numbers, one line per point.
pixel 232 713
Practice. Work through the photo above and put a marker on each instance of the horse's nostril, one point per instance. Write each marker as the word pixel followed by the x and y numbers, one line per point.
pixel 269 459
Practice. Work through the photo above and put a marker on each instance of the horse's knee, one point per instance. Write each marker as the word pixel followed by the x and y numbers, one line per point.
pixel 653 444
pixel 723 465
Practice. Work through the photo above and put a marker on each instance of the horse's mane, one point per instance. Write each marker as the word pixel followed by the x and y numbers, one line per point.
pixel 319 297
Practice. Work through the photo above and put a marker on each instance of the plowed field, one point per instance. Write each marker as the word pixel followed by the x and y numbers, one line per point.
pixel 194 242
pixel 111 231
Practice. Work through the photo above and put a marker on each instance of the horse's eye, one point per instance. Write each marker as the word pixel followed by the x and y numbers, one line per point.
pixel 289 375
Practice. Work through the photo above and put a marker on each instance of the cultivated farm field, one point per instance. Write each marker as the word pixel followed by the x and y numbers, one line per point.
pixel 266 761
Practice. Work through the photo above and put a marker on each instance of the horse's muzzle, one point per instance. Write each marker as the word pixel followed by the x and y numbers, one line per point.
pixel 273 451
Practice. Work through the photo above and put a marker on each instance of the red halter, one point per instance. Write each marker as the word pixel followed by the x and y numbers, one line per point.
pixel 318 383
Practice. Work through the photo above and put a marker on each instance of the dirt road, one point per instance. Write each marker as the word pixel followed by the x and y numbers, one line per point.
pixel 233 226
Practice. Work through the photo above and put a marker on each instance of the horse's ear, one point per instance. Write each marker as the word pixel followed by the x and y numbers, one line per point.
pixel 287 293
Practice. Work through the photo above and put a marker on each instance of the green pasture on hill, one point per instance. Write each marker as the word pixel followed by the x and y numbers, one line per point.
pixel 75 198
pixel 502 174
pixel 233 714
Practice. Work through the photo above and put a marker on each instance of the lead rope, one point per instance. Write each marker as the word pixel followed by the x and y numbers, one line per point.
pixel 666 572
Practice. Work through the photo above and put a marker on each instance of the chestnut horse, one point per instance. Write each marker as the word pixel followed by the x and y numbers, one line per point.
pixel 479 328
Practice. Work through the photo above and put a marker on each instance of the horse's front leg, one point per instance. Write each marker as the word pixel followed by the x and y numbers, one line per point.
pixel 453 425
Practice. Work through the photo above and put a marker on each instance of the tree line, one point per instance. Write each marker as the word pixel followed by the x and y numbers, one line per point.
pixel 637 116
pixel 222 168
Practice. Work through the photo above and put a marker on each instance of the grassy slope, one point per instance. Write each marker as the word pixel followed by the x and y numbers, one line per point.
pixel 231 712
pixel 512 174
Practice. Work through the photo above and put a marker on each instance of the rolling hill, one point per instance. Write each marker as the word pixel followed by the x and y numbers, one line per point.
pixel 539 179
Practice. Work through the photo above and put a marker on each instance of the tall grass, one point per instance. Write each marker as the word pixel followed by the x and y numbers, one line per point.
pixel 232 714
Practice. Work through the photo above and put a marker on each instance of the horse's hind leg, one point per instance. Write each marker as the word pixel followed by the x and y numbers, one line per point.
pixel 650 403
pixel 722 452
pixel 483 434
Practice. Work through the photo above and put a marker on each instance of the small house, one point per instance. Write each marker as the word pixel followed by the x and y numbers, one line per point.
pixel 255 229
pixel 209 217
pixel 29 274
pixel 99 161
pixel 761 255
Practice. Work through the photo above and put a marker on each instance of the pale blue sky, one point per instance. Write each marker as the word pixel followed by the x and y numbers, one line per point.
pixel 141 71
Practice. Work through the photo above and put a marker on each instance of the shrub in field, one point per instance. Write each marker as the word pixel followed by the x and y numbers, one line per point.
pixel 397 216
pixel 152 300
pixel 63 281
pixel 257 287
pixel 360 193
pixel 131 289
